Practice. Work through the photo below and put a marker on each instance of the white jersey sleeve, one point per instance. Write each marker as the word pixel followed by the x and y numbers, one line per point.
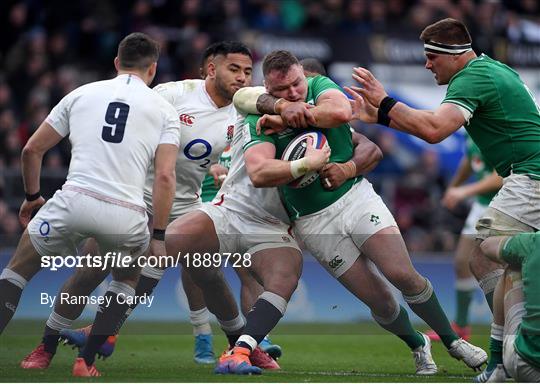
pixel 206 130
pixel 114 128
pixel 58 118
pixel 171 91
pixel 238 193
pixel 171 127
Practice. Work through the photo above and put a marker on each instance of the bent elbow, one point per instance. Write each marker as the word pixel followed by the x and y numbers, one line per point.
pixel 257 180
pixel 377 153
pixel 433 138
pixel 342 115
pixel 29 150
pixel 167 178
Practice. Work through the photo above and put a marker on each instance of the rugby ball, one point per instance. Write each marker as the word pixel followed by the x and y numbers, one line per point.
pixel 296 149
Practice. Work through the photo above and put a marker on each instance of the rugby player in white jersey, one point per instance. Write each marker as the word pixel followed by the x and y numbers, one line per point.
pixel 206 117
pixel 250 221
pixel 117 129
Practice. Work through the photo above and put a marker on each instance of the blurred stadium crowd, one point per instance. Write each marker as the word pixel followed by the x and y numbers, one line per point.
pixel 48 48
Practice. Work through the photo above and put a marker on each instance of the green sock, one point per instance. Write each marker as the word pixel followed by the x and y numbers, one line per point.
pixel 495 346
pixel 489 299
pixel 495 353
pixel 463 299
pixel 402 328
pixel 427 307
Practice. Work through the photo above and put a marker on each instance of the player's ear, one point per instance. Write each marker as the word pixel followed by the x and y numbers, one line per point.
pixel 151 71
pixel 153 68
pixel 117 63
pixel 211 69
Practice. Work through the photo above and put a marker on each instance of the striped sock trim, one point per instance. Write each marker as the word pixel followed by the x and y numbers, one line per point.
pixel 13 277
pixel 152 273
pixel 277 301
pixel 421 297
pixel 468 284
pixel 200 320
pixel 497 332
pixel 199 317
pixel 119 287
pixel 231 326
pixel 489 281
pixel 57 322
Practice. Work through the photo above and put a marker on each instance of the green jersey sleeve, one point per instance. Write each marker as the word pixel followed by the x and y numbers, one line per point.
pixel 317 86
pixel 469 90
pixel 250 135
pixel 518 247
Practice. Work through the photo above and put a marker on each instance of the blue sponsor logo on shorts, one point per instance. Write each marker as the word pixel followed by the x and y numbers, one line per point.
pixel 44 230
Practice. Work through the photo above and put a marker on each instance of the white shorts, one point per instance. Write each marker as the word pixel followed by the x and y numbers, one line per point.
pixel 246 234
pixel 70 217
pixel 335 235
pixel 519 198
pixel 518 368
pixel 177 210
pixel 476 212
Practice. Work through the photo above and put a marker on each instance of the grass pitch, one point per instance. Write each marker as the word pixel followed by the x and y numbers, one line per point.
pixel 162 352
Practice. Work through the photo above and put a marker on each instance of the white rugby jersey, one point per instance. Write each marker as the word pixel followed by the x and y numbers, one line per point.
pixel 238 193
pixel 206 131
pixel 114 127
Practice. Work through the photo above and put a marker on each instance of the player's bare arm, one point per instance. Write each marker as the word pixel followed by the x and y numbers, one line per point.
pixel 365 158
pixel 255 100
pixel 463 172
pixel 332 109
pixel 455 194
pixel 219 173
pixel 266 171
pixel 44 139
pixel 431 126
pixel 164 184
pixel 270 124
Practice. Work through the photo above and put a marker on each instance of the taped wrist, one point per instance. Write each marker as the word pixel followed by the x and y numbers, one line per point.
pixel 349 169
pixel 299 167
pixel 245 99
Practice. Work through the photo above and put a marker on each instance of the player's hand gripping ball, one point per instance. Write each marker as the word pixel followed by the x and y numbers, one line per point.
pixel 296 149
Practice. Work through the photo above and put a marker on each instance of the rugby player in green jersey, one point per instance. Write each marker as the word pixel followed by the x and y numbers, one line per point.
pixel 519 300
pixel 484 188
pixel 503 119
pixel 349 230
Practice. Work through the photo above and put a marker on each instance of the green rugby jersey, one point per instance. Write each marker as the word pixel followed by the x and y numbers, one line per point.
pixel 312 198
pixel 505 122
pixel 524 250
pixel 480 169
pixel 208 188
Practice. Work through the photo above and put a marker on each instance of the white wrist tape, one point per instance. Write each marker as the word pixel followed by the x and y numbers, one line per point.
pixel 245 99
pixel 299 167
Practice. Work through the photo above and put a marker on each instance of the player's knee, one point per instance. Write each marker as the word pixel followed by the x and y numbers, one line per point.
pixel 127 275
pixel 477 264
pixel 87 279
pixel 405 280
pixel 283 284
pixel 207 278
pixel 385 310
